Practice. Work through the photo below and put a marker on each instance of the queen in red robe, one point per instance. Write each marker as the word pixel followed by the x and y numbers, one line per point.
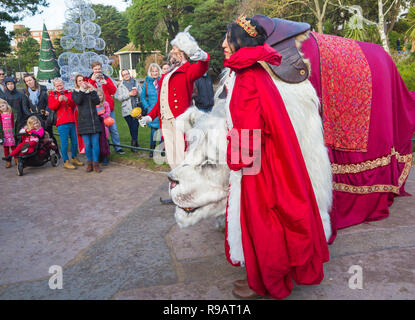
pixel 273 225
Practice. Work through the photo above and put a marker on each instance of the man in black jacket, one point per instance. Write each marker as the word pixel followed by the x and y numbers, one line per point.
pixel 203 94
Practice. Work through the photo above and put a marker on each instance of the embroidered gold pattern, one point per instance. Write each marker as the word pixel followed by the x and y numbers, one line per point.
pixel 367 165
pixel 372 164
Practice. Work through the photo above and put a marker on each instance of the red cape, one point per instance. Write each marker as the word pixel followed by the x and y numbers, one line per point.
pixel 282 232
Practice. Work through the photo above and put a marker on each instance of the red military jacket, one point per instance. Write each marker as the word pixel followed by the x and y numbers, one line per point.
pixel 181 87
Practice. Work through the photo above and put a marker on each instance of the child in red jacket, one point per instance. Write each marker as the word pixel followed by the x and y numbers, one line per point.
pixel 33 133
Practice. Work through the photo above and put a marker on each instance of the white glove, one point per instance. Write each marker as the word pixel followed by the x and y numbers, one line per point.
pixel 199 55
pixel 144 120
pixel 185 42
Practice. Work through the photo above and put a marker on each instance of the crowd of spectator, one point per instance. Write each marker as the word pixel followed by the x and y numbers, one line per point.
pixel 85 117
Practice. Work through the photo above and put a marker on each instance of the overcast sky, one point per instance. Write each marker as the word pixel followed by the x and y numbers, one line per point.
pixel 53 16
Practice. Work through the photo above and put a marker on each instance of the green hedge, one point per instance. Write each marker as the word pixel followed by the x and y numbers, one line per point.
pixel 406 67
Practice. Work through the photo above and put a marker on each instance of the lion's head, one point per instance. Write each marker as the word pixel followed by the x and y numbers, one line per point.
pixel 199 185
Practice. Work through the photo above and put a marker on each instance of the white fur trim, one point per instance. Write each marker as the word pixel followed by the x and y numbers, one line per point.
pixel 302 104
pixel 229 83
pixel 236 251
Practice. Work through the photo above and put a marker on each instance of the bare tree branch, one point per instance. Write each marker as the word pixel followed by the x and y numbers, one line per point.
pixel 390 7
pixel 325 7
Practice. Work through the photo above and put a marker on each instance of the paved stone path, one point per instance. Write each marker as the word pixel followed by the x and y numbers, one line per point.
pixel 115 240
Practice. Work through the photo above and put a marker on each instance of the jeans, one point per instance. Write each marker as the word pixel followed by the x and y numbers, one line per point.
pixel 153 138
pixel 115 137
pixel 133 126
pixel 66 131
pixel 91 146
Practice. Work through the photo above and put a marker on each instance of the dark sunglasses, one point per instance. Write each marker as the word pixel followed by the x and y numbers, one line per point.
pixel 2 74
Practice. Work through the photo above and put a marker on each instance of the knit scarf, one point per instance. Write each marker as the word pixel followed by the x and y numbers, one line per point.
pixel 34 96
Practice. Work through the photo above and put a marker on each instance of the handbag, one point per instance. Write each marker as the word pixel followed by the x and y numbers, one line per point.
pixel 144 111
pixel 51 119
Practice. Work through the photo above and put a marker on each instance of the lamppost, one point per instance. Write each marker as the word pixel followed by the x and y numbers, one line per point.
pixel 19 72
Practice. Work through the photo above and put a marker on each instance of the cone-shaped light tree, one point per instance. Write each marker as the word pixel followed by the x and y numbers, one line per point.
pixel 81 35
pixel 48 64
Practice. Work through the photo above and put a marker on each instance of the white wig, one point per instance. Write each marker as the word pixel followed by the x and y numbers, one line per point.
pixel 185 41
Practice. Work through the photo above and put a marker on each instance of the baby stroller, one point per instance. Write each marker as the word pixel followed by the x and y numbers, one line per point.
pixel 45 151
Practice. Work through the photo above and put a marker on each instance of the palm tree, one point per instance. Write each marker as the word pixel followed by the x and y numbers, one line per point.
pixel 410 18
pixel 355 28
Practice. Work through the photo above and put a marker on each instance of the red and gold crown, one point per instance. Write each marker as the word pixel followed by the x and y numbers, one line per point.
pixel 250 29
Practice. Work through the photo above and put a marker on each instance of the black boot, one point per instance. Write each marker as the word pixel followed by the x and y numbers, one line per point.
pixel 152 146
pixel 134 144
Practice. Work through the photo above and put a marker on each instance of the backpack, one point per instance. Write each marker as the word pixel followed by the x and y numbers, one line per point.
pixel 52 116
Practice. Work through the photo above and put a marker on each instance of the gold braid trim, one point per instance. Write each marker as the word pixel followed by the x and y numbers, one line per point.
pixel 367 165
pixel 371 164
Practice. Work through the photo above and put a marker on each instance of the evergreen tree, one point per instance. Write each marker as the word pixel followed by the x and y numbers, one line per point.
pixel 210 20
pixel 48 65
pixel 113 27
pixel 13 11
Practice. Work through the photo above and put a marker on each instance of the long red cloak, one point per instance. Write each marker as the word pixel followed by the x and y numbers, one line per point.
pixel 282 232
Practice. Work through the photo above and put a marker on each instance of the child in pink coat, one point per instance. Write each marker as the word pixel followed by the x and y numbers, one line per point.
pixel 7 129
pixel 104 111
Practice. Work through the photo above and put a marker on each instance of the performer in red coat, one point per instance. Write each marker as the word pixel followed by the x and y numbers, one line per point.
pixel 175 93
pixel 274 227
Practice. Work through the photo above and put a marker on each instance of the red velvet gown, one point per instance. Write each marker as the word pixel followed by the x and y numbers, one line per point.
pixel 282 233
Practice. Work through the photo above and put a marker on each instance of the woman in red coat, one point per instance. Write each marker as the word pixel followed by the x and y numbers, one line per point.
pixel 273 225
pixel 61 101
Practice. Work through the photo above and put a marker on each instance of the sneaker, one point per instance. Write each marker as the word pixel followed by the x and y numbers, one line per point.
pixel 68 165
pixel 25 148
pixel 76 162
pixel 120 151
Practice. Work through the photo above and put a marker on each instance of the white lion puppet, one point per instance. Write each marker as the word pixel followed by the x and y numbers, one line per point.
pixel 200 185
